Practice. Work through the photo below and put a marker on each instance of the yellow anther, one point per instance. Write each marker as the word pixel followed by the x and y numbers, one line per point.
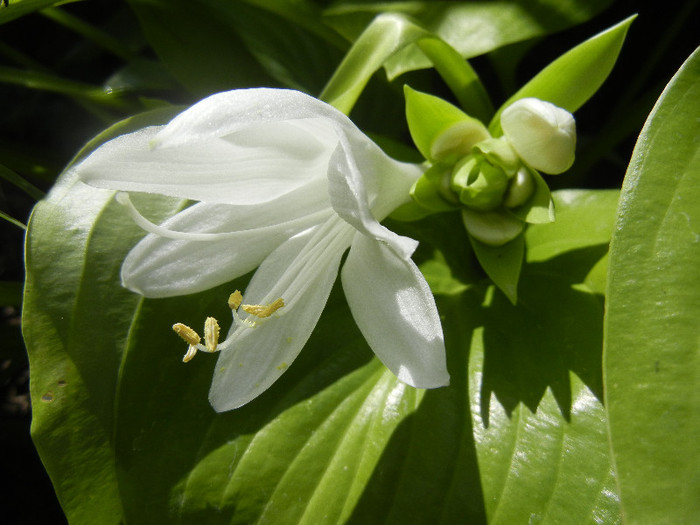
pixel 191 351
pixel 235 300
pixel 188 335
pixel 211 334
pixel 263 311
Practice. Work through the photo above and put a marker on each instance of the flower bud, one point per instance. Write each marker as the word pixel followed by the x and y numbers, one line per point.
pixel 520 190
pixel 480 185
pixel 543 134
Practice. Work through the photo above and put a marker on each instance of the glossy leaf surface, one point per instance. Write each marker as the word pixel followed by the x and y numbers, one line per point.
pixel 520 431
pixel 652 350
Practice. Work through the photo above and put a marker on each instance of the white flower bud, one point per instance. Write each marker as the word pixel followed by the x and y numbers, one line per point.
pixel 543 134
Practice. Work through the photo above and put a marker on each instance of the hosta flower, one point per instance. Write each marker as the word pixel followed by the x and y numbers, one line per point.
pixel 287 183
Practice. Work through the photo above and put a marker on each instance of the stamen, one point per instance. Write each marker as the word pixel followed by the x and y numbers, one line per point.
pixel 263 311
pixel 235 300
pixel 191 351
pixel 187 334
pixel 211 334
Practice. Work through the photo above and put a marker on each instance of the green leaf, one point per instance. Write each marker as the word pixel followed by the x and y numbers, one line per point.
pixel 19 181
pixel 574 77
pixel 4 216
pixel 579 238
pixel 126 432
pixel 652 350
pixel 19 8
pixel 74 354
pixel 199 47
pixel 385 36
pixel 502 263
pixel 212 46
pixel 472 28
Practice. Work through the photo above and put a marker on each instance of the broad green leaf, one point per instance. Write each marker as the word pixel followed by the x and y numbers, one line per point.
pixel 579 238
pixel 74 354
pixel 652 350
pixel 472 28
pixel 574 77
pixel 536 385
pixel 126 432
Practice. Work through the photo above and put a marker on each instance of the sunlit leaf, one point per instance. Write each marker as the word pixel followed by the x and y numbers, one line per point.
pixel 574 77
pixel 652 350
pixel 472 28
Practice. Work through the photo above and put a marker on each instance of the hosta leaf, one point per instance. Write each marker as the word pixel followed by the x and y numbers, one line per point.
pixel 652 350
pixel 472 28
pixel 127 434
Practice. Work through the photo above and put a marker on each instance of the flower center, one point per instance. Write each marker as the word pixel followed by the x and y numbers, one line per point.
pixel 211 325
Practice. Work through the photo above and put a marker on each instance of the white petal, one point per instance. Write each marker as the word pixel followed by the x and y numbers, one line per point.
pixel 258 164
pixel 225 113
pixel 302 272
pixel 164 267
pixel 395 310
pixel 365 186
pixel 544 135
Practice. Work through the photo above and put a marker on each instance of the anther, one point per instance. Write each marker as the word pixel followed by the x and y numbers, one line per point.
pixel 187 334
pixel 211 334
pixel 262 311
pixel 235 300
pixel 191 351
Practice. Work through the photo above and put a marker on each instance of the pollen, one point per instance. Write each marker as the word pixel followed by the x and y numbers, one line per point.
pixel 263 311
pixel 235 300
pixel 211 334
pixel 187 334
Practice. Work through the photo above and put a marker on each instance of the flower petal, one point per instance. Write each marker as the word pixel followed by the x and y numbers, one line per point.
pixel 301 272
pixel 365 185
pixel 229 112
pixel 159 266
pixel 395 310
pixel 258 164
pixel 544 135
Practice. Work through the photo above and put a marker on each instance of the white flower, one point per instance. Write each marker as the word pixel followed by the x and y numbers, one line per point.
pixel 287 183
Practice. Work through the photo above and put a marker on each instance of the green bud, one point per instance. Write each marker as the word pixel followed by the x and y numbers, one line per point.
pixel 432 190
pixel 441 131
pixel 499 152
pixel 520 189
pixel 480 185
pixel 494 228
